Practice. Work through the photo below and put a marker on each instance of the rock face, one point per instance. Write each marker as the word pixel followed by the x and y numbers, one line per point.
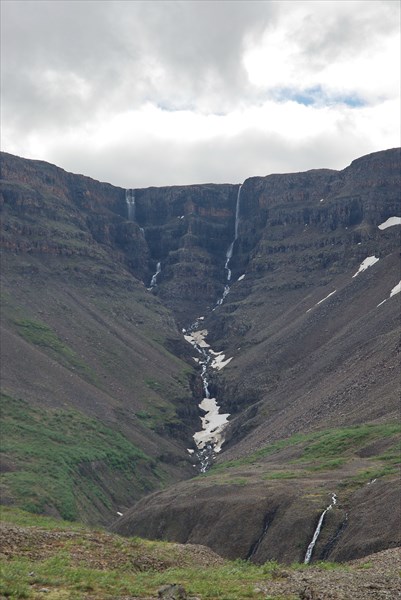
pixel 188 230
pixel 312 386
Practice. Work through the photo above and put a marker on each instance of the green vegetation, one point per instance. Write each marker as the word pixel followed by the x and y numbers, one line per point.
pixel 23 518
pixel 325 450
pixel 52 454
pixel 58 576
pixel 40 334
pixel 68 561
pixel 99 565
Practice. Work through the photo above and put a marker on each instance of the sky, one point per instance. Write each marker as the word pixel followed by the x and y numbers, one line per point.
pixel 149 93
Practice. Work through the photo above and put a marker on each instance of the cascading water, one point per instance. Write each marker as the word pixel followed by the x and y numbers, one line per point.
pixel 230 250
pixel 153 281
pixel 210 439
pixel 311 546
pixel 130 200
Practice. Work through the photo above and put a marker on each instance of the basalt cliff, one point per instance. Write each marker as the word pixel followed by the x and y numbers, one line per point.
pixel 287 288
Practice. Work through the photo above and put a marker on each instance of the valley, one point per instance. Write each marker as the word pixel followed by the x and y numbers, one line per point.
pixel 277 298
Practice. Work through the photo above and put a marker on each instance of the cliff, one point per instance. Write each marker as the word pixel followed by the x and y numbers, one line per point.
pixel 310 323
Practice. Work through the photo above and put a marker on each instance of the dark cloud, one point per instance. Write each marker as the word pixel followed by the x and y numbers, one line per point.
pixel 64 61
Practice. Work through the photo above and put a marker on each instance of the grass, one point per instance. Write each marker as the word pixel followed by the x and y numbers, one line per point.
pixel 325 450
pixel 65 576
pixel 55 574
pixel 48 451
pixel 23 518
pixel 103 566
pixel 78 563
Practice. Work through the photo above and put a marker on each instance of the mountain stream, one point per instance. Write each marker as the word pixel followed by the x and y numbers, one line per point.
pixel 210 439
pixel 153 281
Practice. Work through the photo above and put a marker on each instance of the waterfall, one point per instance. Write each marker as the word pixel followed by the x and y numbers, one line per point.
pixel 311 546
pixel 237 213
pixel 153 281
pixel 130 200
pixel 210 439
pixel 230 250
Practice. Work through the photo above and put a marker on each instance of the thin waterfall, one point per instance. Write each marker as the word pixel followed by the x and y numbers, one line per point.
pixel 230 250
pixel 311 546
pixel 130 200
pixel 237 213
pixel 210 439
pixel 153 281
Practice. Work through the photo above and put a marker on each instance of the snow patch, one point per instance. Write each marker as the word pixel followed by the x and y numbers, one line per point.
pixel 390 223
pixel 197 338
pixel 322 200
pixel 320 301
pixel 214 353
pixel 219 362
pixel 368 262
pixel 241 278
pixel 213 424
pixel 396 290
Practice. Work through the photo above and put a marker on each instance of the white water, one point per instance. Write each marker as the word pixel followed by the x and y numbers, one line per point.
pixel 153 281
pixel 311 546
pixel 229 253
pixel 130 200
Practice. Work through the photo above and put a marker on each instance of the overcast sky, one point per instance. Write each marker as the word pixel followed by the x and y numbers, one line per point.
pixel 177 92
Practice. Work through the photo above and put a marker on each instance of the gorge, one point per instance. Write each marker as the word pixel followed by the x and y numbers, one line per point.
pixel 286 288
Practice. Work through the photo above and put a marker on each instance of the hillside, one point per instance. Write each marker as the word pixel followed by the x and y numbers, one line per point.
pixel 294 278
pixel 89 355
pixel 42 556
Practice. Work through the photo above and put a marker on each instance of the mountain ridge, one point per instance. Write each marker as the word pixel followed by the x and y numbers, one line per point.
pixel 312 352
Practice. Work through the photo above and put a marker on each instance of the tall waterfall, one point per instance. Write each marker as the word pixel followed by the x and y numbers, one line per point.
pixel 230 250
pixel 130 200
pixel 311 546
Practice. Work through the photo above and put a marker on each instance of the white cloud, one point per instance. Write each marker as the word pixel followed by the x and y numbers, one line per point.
pixel 154 93
pixel 319 45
